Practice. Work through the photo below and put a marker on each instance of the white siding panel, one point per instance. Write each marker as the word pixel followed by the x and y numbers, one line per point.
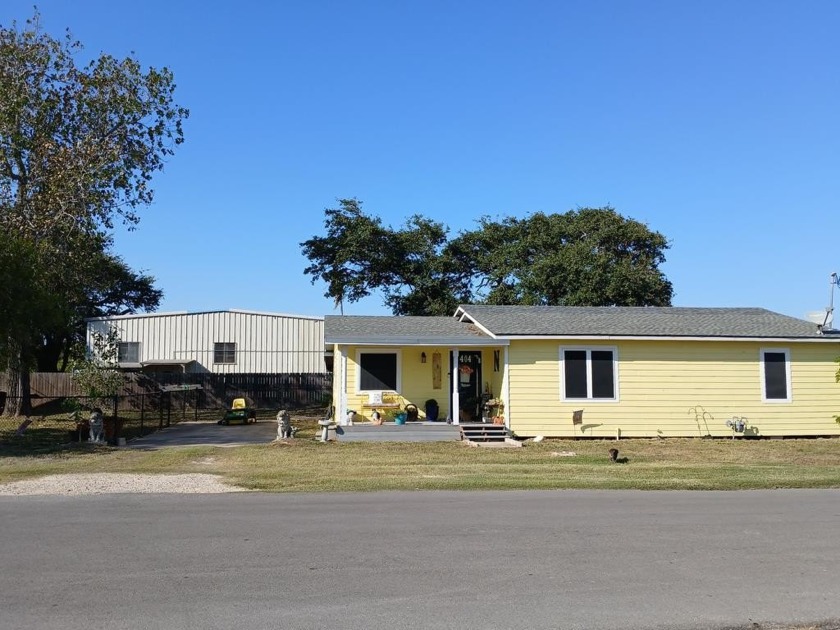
pixel 265 343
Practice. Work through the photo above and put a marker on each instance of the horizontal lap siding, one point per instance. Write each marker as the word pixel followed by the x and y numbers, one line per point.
pixel 416 377
pixel 677 389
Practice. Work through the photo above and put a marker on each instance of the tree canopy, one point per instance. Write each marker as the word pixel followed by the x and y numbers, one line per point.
pixel 79 146
pixel 408 266
pixel 110 288
pixel 584 257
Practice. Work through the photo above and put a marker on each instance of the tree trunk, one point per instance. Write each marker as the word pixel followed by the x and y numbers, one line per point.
pixel 49 354
pixel 19 395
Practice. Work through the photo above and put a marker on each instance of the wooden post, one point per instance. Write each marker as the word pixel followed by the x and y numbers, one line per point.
pixel 116 435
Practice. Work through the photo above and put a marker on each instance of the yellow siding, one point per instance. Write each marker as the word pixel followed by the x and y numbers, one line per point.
pixel 416 381
pixel 416 378
pixel 673 388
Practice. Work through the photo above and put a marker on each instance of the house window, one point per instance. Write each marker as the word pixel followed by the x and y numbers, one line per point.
pixel 588 374
pixel 128 352
pixel 775 375
pixel 378 371
pixel 224 352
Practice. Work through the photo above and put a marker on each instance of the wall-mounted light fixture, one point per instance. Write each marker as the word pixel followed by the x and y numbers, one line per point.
pixel 422 357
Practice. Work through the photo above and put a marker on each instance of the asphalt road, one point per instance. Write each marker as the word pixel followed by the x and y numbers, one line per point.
pixel 565 559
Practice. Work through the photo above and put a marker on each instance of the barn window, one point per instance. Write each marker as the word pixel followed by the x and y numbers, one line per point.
pixel 775 375
pixel 588 374
pixel 128 352
pixel 378 370
pixel 224 352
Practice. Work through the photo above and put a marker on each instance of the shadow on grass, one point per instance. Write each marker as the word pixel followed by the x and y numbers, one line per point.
pixel 60 437
pixel 40 441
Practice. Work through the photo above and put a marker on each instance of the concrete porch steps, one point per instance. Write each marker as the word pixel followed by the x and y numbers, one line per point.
pixel 484 432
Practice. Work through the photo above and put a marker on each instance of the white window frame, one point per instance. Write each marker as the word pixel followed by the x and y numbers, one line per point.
pixel 589 350
pixel 361 351
pixel 786 352
pixel 128 343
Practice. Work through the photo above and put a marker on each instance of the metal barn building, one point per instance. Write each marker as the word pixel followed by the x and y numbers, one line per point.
pixel 221 342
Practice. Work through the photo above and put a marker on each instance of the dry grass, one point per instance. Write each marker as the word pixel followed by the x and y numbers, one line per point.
pixel 305 465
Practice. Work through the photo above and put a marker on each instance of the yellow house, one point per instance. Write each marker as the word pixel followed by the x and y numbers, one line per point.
pixel 593 371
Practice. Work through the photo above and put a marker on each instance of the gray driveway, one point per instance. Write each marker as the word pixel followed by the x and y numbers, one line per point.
pixel 208 434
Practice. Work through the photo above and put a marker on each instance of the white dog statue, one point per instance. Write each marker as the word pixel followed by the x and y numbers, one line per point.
pixel 97 420
pixel 284 425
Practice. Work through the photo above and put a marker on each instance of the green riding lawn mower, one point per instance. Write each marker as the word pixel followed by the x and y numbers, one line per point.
pixel 239 413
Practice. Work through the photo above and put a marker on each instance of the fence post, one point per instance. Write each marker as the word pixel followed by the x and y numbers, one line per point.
pixel 142 410
pixel 168 409
pixel 116 436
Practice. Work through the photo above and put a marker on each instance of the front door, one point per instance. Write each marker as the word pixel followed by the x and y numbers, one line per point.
pixel 468 375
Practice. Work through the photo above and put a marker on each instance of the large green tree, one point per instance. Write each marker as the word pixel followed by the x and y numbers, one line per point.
pixel 590 256
pixel 585 257
pixel 408 266
pixel 110 287
pixel 79 145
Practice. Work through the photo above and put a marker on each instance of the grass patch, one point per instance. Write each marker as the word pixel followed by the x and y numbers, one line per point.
pixel 303 465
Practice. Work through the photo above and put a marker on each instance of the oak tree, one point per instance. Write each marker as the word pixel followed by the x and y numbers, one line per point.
pixel 584 257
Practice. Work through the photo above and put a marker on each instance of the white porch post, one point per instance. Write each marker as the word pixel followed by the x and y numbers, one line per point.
pixel 454 413
pixel 341 378
pixel 506 388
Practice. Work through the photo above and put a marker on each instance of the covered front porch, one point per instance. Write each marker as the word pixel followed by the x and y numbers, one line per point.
pixel 416 369
pixel 420 383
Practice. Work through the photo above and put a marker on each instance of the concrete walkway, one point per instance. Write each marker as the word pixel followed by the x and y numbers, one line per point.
pixel 207 433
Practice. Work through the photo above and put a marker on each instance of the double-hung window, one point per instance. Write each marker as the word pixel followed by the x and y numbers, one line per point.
pixel 589 374
pixel 775 375
pixel 378 370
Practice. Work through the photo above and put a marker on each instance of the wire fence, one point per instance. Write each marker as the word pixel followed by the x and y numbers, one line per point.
pixel 57 420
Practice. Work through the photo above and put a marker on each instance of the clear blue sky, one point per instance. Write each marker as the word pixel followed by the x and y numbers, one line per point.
pixel 714 122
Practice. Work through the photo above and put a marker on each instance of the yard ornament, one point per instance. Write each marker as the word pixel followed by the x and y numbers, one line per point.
pixel 97 420
pixel 284 425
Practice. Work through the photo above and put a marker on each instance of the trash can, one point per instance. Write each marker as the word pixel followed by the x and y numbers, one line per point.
pixel 399 417
pixel 411 413
pixel 432 410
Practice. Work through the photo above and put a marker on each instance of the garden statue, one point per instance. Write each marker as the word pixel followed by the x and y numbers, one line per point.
pixel 284 425
pixel 97 420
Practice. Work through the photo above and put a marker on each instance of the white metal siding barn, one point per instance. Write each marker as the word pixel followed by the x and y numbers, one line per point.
pixel 223 342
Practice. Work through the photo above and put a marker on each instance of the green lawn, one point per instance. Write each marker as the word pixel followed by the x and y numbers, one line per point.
pixel 304 465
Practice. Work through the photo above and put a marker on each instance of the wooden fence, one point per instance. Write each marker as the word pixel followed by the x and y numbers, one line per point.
pixel 262 390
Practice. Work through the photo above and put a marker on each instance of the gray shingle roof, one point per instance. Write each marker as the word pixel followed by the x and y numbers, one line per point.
pixel 403 330
pixel 644 321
